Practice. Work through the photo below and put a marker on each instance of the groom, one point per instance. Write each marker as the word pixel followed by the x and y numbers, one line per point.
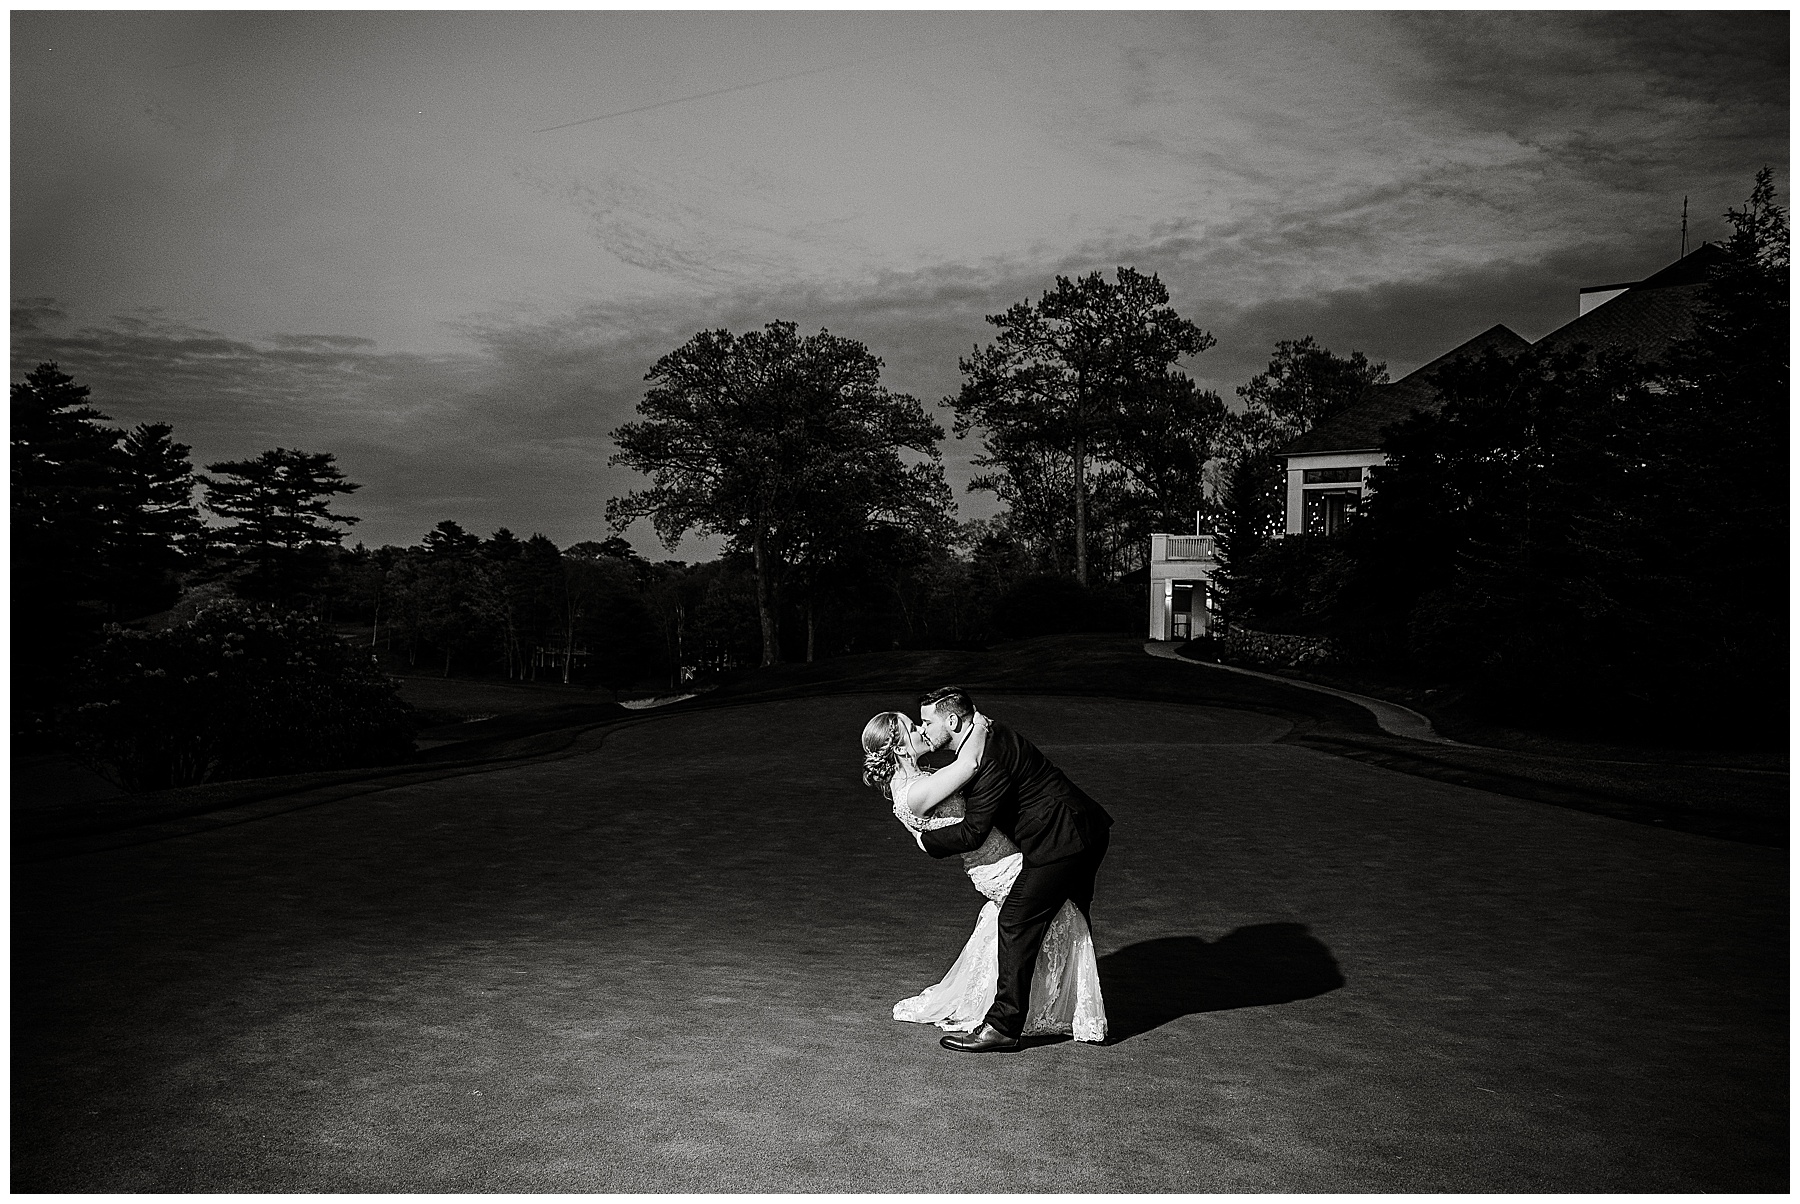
pixel 1060 830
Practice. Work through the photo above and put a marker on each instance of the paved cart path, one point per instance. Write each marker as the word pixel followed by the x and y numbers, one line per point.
pixel 665 959
pixel 1391 717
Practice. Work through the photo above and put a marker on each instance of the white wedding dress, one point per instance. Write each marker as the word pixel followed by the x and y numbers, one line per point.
pixel 1065 987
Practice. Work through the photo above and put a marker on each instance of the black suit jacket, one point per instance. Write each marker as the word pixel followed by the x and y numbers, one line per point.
pixel 1017 790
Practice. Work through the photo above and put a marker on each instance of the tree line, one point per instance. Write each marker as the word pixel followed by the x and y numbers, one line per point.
pixel 824 486
pixel 1560 526
pixel 829 485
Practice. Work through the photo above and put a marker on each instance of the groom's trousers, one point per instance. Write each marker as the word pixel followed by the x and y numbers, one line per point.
pixel 1036 896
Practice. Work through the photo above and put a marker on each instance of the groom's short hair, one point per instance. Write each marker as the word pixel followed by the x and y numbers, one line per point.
pixel 953 700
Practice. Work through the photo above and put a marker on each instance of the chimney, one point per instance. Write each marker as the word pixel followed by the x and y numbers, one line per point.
pixel 1597 295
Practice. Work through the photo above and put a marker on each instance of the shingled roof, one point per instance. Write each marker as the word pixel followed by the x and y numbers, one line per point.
pixel 1359 427
pixel 1646 319
pixel 1649 316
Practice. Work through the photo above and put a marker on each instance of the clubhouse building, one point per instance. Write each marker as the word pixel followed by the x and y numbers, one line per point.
pixel 1327 468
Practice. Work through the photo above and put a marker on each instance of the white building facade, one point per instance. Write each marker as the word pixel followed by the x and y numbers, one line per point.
pixel 1181 589
pixel 1325 488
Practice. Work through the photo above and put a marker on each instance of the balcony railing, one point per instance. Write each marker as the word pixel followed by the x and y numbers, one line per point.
pixel 1189 547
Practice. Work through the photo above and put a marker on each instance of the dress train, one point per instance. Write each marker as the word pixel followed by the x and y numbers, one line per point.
pixel 1065 987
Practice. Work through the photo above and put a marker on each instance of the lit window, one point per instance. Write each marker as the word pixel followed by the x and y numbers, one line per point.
pixel 1330 476
pixel 1327 510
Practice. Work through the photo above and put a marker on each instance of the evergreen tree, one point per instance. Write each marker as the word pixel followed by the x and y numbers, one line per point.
pixel 281 525
pixel 541 592
pixel 502 552
pixel 1704 539
pixel 1165 434
pixel 461 604
pixel 64 487
pixel 156 528
pixel 63 483
pixel 448 541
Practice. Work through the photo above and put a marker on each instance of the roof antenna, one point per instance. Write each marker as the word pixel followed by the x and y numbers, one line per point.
pixel 1684 227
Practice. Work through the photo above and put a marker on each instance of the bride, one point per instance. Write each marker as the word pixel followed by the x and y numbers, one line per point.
pixel 1065 986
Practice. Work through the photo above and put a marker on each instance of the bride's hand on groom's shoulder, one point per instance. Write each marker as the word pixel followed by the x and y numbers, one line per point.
pixel 979 726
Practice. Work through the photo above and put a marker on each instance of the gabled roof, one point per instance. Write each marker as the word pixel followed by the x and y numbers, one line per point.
pixel 1359 426
pixel 1647 319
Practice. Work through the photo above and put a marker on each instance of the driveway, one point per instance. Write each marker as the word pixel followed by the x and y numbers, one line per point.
pixel 663 960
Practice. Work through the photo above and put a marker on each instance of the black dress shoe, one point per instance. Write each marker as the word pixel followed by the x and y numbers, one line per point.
pixel 982 1040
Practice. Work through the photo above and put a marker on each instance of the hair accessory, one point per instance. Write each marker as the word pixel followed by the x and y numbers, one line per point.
pixel 880 765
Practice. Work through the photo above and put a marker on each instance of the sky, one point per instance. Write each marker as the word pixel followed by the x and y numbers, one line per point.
pixel 447 246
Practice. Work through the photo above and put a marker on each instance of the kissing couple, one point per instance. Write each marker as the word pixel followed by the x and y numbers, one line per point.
pixel 1030 840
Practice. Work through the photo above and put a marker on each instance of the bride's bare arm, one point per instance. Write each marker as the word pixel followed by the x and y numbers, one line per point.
pixel 928 791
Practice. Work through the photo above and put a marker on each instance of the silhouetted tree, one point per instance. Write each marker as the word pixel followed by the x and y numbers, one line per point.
pixel 156 528
pixel 1582 536
pixel 280 523
pixel 502 552
pixel 784 445
pixel 1165 434
pixel 1057 388
pixel 64 488
pixel 462 604
pixel 1303 385
pixel 609 618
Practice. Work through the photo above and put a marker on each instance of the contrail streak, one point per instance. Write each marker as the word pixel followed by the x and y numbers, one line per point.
pixel 774 79
pixel 681 100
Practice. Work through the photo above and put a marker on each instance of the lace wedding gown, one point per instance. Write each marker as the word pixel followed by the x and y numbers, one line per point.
pixel 1065 987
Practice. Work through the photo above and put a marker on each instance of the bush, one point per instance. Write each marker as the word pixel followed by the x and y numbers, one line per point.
pixel 1053 605
pixel 1292 586
pixel 1208 648
pixel 238 692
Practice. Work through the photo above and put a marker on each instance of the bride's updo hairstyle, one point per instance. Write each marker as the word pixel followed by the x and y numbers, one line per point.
pixel 881 757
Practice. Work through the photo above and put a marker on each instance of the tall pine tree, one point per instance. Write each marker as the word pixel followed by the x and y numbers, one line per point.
pixel 281 527
pixel 155 527
pixel 64 483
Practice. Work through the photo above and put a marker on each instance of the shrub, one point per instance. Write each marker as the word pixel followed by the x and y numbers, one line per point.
pixel 237 692
pixel 1207 648
pixel 1293 585
pixel 1052 605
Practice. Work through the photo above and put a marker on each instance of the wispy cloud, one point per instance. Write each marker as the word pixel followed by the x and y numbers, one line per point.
pixel 463 311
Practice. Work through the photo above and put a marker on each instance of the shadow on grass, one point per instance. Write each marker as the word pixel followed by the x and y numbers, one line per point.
pixel 1148 984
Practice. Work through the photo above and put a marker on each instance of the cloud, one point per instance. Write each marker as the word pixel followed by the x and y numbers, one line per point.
pixel 34 313
pixel 513 428
pixel 1623 96
pixel 1433 179
pixel 483 437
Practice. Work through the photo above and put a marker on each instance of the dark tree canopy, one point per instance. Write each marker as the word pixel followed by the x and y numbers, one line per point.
pixel 1583 537
pixel 102 521
pixel 278 507
pixel 64 483
pixel 1303 385
pixel 237 692
pixel 788 446
pixel 156 527
pixel 448 541
pixel 1068 383
pixel 1165 435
